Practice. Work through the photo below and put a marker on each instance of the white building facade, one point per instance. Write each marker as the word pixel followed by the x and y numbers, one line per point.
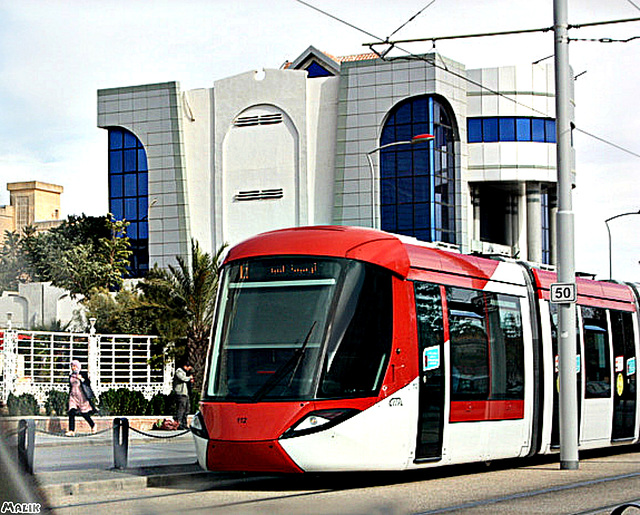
pixel 301 146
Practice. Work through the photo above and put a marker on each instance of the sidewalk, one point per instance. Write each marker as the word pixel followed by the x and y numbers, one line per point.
pixel 83 464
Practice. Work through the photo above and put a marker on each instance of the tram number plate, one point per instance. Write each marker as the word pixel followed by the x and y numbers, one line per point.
pixel 563 293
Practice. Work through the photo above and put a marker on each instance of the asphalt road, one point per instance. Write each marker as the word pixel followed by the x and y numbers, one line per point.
pixel 602 483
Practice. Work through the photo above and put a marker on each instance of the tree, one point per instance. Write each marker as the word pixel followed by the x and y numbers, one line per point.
pixel 185 297
pixel 13 266
pixel 83 254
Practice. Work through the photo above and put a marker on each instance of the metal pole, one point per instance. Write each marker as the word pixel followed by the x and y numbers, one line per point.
pixel 26 444
pixel 606 222
pixel 373 197
pixel 120 442
pixel 416 139
pixel 566 261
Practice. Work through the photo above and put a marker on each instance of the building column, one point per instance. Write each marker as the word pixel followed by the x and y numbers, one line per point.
pixel 475 202
pixel 534 223
pixel 520 222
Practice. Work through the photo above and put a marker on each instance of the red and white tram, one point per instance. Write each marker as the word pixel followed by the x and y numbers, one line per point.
pixel 339 348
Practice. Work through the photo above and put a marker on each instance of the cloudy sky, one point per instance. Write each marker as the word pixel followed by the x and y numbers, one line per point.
pixel 55 55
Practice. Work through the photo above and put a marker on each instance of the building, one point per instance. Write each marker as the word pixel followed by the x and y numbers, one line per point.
pixel 31 203
pixel 302 146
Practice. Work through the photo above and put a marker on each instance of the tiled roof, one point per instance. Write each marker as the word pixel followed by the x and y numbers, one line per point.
pixel 357 57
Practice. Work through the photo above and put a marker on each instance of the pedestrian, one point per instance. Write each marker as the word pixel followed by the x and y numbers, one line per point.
pixel 182 381
pixel 80 398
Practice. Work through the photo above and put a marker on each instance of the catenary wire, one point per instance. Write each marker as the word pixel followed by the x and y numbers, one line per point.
pixel 412 18
pixel 635 5
pixel 411 55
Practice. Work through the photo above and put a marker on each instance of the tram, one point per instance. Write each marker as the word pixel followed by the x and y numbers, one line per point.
pixel 342 349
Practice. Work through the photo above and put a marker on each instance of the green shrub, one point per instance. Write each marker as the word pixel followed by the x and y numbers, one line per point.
pixel 25 404
pixel 122 402
pixel 161 404
pixel 57 403
pixel 194 401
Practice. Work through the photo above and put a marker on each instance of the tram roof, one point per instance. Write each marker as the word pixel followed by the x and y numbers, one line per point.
pixel 589 291
pixel 377 247
pixel 400 254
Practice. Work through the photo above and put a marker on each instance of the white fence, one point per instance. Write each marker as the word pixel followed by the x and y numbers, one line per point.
pixel 36 362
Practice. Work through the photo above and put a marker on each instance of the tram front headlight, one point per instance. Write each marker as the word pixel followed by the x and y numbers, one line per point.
pixel 198 427
pixel 319 421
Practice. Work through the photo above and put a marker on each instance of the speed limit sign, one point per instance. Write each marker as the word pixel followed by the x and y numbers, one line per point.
pixel 563 293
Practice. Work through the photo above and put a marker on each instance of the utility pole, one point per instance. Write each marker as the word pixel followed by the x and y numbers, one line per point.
pixel 566 261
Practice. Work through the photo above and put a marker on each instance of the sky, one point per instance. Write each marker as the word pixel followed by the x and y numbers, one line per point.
pixel 56 54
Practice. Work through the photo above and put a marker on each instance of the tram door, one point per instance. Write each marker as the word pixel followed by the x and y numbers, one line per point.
pixel 555 425
pixel 624 376
pixel 430 343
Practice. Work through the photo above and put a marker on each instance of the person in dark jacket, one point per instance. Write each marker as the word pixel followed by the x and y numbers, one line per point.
pixel 80 398
pixel 182 380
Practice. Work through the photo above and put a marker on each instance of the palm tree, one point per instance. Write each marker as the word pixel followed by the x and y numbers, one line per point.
pixel 186 295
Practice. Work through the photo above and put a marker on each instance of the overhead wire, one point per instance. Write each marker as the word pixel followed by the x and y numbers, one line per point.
pixel 430 60
pixel 412 18
pixel 635 5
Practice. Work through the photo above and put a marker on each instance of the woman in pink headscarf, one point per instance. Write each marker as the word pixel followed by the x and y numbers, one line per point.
pixel 80 397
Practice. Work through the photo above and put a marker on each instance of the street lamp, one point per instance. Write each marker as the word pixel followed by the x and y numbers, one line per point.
pixel 606 222
pixel 415 139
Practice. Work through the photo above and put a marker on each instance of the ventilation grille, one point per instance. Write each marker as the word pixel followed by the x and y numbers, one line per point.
pixel 263 119
pixel 244 196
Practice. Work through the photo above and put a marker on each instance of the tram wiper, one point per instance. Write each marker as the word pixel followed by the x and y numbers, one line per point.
pixel 292 363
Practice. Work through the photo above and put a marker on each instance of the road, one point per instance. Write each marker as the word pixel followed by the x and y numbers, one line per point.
pixel 142 453
pixel 602 483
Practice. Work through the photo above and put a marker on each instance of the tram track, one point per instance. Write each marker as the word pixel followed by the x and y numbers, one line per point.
pixel 286 494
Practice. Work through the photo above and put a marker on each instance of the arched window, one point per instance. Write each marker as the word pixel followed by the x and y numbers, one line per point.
pixel 417 193
pixel 129 194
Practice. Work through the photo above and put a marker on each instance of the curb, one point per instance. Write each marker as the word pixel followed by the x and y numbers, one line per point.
pixel 56 492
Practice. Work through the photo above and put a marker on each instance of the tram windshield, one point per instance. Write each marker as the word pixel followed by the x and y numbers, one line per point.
pixel 300 328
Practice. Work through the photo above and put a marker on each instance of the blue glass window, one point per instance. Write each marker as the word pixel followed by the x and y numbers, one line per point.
pixel 132 231
pixel 115 208
pixel 474 126
pixel 115 185
pixel 115 139
pixel 130 209
pixel 128 194
pixel 130 187
pixel 523 129
pixel 115 162
pixel 142 160
pixel 490 129
pixel 550 130
pixel 130 141
pixel 537 129
pixel 408 170
pixel 143 184
pixel 315 70
pixel 546 239
pixel 507 129
pixel 130 161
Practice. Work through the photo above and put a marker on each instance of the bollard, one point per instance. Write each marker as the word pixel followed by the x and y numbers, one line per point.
pixel 120 442
pixel 26 444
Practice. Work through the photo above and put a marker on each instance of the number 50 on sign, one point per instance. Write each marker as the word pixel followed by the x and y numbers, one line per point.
pixel 563 293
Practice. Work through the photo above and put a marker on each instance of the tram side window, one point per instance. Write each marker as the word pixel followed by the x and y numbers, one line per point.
pixel 596 353
pixel 507 346
pixel 469 344
pixel 429 313
pixel 487 347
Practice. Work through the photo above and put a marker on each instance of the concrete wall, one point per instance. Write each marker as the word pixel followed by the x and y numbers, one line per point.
pixel 37 305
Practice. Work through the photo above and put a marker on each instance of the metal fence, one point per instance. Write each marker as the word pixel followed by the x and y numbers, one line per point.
pixel 36 362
